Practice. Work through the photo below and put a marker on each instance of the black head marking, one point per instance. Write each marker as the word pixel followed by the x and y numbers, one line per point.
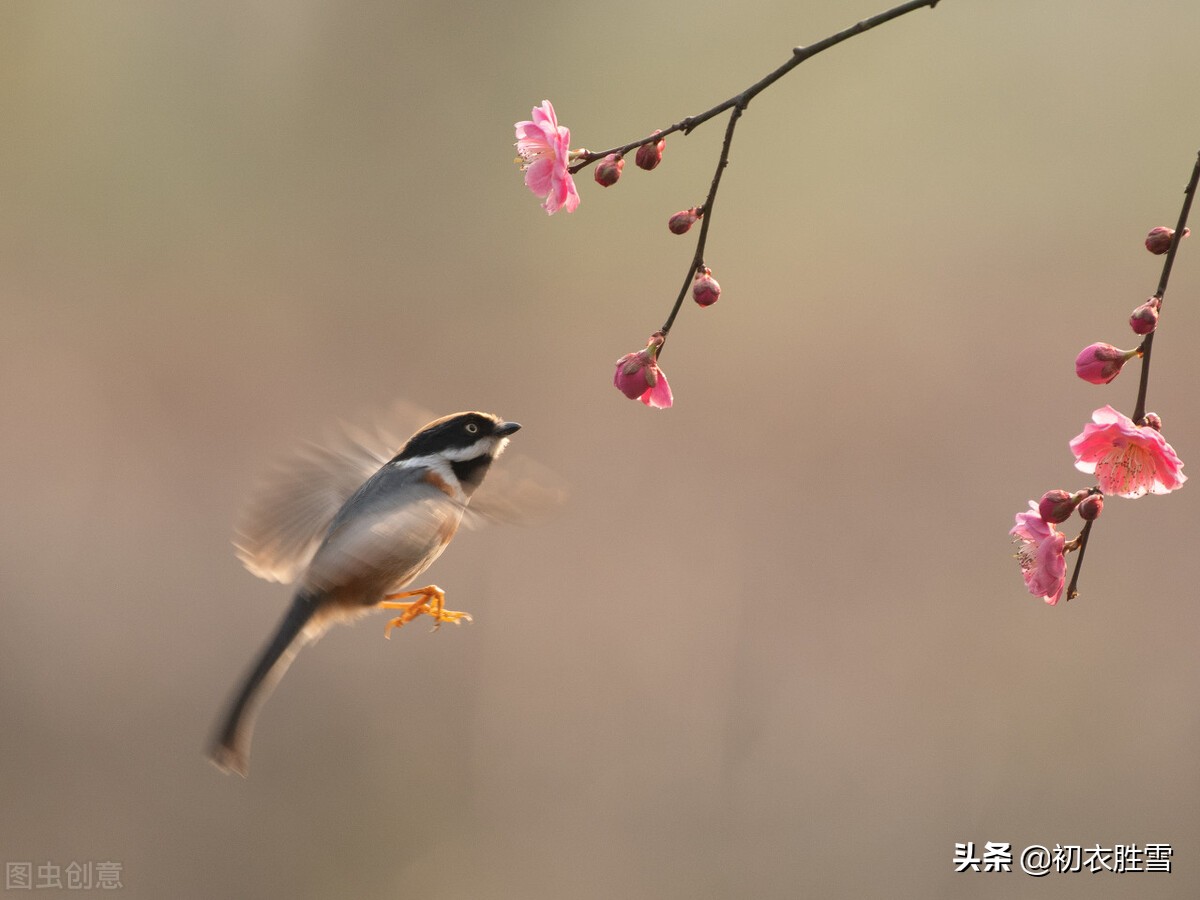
pixel 455 432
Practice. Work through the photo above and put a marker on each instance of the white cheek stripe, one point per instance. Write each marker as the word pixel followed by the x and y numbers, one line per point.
pixel 439 463
pixel 484 446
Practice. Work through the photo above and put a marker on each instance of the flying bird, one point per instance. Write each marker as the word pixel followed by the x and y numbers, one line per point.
pixel 354 529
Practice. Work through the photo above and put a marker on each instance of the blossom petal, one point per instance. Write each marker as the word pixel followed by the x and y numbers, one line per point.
pixel 544 114
pixel 659 396
pixel 539 176
pixel 531 133
pixel 1127 459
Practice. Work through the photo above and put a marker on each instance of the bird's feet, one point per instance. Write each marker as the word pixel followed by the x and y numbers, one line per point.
pixel 432 602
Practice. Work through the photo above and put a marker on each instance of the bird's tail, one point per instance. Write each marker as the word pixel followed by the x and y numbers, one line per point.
pixel 231 748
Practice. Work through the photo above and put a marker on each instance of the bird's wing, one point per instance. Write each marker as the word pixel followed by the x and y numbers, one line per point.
pixel 289 515
pixel 518 490
pixel 283 524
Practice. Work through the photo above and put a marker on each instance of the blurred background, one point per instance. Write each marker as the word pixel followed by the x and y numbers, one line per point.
pixel 776 644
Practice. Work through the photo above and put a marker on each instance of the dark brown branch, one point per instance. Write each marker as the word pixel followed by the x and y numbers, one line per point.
pixel 1189 193
pixel 1073 587
pixel 706 219
pixel 738 104
pixel 741 100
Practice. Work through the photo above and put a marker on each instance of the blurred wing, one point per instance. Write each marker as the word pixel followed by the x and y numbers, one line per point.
pixel 517 491
pixel 283 524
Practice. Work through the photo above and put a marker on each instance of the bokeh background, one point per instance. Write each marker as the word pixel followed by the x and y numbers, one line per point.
pixel 775 645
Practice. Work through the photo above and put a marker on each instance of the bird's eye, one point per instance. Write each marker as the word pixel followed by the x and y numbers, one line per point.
pixel 472 428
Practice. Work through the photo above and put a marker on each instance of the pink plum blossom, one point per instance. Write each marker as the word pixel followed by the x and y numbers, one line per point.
pixel 1126 459
pixel 1040 554
pixel 638 376
pixel 545 150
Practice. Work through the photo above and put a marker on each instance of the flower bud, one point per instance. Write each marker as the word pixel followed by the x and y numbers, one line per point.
pixel 650 155
pixel 1152 420
pixel 705 289
pixel 1158 241
pixel 608 170
pixel 1057 506
pixel 1144 319
pixel 682 221
pixel 635 374
pixel 1101 363
pixel 638 376
pixel 1091 507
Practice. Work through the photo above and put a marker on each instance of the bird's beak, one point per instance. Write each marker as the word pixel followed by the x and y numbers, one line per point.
pixel 504 429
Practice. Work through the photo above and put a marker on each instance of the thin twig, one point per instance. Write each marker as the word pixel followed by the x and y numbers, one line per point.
pixel 738 104
pixel 1139 410
pixel 799 55
pixel 1073 587
pixel 698 256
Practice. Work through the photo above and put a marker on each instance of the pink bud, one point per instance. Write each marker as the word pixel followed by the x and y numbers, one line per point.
pixel 1145 318
pixel 682 221
pixel 650 155
pixel 1057 506
pixel 1158 241
pixel 638 376
pixel 608 170
pixel 705 289
pixel 1152 420
pixel 1101 363
pixel 1091 507
pixel 634 375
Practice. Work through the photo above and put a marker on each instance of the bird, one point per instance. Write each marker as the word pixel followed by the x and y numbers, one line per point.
pixel 354 545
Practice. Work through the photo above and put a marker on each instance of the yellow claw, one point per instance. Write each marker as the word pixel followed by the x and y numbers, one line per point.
pixel 432 602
